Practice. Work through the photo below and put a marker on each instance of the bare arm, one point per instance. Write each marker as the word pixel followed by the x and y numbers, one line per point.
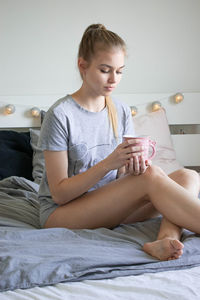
pixel 64 189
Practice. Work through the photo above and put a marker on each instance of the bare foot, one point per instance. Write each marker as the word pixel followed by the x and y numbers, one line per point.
pixel 165 249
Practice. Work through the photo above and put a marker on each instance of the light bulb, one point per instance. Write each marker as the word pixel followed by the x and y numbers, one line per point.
pixel 9 109
pixel 156 106
pixel 178 97
pixel 134 110
pixel 35 112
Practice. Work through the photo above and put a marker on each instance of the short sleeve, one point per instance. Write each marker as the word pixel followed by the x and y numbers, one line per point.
pixel 54 132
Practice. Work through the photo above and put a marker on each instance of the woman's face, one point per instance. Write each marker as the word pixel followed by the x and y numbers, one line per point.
pixel 104 72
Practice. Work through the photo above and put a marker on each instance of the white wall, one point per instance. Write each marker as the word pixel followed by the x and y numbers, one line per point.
pixel 39 41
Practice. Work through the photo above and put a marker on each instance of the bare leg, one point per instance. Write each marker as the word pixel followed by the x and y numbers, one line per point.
pixel 106 207
pixel 167 245
pixel 183 177
pixel 110 205
pixel 143 213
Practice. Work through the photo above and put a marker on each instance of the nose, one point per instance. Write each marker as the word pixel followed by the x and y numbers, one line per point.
pixel 112 77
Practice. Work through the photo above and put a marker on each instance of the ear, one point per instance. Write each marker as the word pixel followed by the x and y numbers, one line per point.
pixel 82 65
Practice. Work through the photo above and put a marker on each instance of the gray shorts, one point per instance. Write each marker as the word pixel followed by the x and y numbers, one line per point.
pixel 47 207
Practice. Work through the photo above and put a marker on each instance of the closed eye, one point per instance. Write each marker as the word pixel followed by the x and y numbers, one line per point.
pixel 104 71
pixel 104 68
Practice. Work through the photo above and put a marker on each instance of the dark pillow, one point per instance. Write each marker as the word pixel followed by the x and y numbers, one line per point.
pixel 15 154
pixel 38 157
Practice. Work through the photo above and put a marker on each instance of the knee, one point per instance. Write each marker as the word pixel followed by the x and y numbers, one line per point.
pixel 154 173
pixel 189 175
pixel 187 178
pixel 154 178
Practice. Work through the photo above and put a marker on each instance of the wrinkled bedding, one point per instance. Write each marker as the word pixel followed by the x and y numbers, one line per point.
pixel 18 202
pixel 30 256
pixel 176 285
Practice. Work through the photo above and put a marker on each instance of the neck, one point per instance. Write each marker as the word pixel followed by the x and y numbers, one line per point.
pixel 90 102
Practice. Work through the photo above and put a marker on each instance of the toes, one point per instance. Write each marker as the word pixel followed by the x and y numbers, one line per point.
pixel 172 258
pixel 176 244
pixel 166 249
pixel 176 255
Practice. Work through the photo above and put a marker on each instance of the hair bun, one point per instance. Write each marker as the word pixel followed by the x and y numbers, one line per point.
pixel 101 27
pixel 96 27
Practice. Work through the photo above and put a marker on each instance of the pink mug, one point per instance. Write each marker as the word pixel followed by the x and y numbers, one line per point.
pixel 149 150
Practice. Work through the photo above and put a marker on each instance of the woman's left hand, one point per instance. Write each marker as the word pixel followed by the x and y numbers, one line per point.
pixel 137 165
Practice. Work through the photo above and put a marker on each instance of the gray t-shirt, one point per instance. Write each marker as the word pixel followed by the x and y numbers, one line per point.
pixel 87 136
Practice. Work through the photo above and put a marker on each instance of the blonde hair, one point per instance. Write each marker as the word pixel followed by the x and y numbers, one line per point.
pixel 96 37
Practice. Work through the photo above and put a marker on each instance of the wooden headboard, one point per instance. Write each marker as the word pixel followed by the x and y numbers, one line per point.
pixel 183 118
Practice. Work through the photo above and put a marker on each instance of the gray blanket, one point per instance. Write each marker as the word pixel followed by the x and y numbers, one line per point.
pixel 37 257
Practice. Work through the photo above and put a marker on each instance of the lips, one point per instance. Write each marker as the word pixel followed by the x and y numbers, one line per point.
pixel 109 88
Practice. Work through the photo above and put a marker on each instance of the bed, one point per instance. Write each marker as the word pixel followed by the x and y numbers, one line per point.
pixel 59 263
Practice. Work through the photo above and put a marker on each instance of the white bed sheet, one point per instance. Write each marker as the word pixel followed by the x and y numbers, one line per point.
pixel 180 285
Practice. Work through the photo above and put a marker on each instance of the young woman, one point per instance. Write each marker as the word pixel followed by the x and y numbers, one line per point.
pixel 94 179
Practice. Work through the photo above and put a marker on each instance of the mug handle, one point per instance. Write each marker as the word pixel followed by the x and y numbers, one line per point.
pixel 152 144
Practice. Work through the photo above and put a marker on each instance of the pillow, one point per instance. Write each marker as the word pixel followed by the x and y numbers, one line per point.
pixel 38 157
pixel 15 154
pixel 155 125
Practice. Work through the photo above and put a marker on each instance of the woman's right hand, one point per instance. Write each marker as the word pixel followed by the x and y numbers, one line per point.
pixel 122 154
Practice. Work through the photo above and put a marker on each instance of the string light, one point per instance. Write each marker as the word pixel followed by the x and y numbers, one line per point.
pixel 134 110
pixel 35 112
pixel 156 105
pixel 9 109
pixel 178 97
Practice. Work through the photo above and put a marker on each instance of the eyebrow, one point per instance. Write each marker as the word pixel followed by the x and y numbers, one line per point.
pixel 108 66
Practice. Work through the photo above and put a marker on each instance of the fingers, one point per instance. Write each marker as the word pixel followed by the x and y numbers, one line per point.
pixel 130 165
pixel 137 165
pixel 133 157
pixel 133 166
pixel 133 153
pixel 129 143
pixel 143 165
pixel 131 149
